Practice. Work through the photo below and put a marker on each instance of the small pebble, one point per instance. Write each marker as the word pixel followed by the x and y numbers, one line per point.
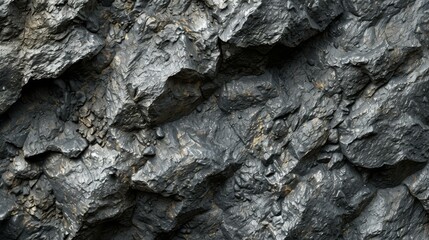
pixel 149 151
pixel 159 133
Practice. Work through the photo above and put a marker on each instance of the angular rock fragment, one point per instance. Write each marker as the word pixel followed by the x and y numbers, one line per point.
pixel 417 185
pixel 206 152
pixel 51 135
pixel 310 136
pixel 6 206
pixel 246 92
pixel 388 127
pixel 268 22
pixel 23 169
pixel 402 217
pixel 184 53
pixel 85 189
pixel 10 82
pixel 295 209
pixel 40 46
pixel 52 59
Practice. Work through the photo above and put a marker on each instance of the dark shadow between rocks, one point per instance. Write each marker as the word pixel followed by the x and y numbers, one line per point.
pixel 389 176
pixel 182 219
pixel 108 229
pixel 181 95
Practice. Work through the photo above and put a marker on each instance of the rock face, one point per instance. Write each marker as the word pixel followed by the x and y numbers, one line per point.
pixel 214 119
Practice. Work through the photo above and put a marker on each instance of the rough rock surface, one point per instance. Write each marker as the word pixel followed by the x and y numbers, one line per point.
pixel 214 119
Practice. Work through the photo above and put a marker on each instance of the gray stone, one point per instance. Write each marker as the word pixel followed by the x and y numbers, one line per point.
pixel 149 151
pixel 159 133
pixel 417 183
pixel 24 169
pixel 246 92
pixel 84 189
pixel 7 205
pixel 408 220
pixel 214 119
pixel 387 128
pixel 41 45
pixel 177 160
pixel 261 22
pixel 50 134
pixel 310 136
